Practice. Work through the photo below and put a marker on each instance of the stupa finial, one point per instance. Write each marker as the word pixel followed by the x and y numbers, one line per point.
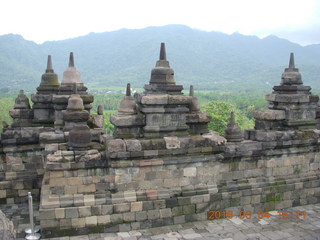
pixel 163 55
pixel 232 120
pixel 128 90
pixel 291 75
pixel 49 64
pixel 71 60
pixel 191 91
pixel 233 131
pixel 291 62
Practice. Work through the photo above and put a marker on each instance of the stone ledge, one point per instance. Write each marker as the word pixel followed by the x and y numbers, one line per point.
pixel 269 115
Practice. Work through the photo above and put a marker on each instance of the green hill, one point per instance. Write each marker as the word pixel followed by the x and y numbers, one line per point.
pixel 208 60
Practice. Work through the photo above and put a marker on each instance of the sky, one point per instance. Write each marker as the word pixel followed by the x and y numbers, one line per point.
pixel 48 20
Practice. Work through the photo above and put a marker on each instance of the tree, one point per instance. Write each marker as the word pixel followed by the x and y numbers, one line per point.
pixel 220 113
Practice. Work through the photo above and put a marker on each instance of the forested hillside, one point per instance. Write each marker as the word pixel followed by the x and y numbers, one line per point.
pixel 208 60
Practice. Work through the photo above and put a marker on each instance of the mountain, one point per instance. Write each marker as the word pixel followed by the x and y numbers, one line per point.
pixel 208 60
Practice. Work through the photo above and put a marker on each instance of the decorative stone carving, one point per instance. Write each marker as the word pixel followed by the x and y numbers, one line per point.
pixel 233 131
pixel 291 105
pixel 42 101
pixel 70 84
pixel 162 77
pixel 71 76
pixel 79 137
pixel 128 104
pixel 21 113
pixel 127 121
pixel 49 80
pixel 75 114
pixel 196 120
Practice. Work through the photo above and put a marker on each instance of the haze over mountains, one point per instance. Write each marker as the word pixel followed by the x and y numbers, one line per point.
pixel 208 60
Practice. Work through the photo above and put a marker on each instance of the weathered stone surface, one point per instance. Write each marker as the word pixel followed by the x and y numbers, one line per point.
pixel 215 138
pixel 128 104
pixel 133 145
pixel 76 116
pixel 269 115
pixel 7 231
pixel 71 76
pixel 155 99
pixel 49 79
pixel 198 118
pixel 41 98
pixel 288 98
pixel 116 145
pixel 127 120
pixel 97 121
pixel 22 101
pixel 233 131
pixel 172 142
pixel 51 137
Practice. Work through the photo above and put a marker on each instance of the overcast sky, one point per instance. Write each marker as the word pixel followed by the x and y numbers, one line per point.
pixel 46 20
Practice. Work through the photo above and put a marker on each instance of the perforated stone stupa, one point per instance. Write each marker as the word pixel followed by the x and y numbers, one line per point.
pixel 43 107
pixel 291 105
pixel 162 110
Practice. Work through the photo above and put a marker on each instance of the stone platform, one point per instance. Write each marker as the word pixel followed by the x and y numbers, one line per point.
pixel 275 227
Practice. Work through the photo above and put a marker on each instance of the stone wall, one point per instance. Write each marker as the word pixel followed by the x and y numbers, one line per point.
pixel 7 231
pixel 272 170
pixel 21 164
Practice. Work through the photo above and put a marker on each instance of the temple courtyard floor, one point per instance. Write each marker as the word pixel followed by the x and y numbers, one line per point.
pixel 301 222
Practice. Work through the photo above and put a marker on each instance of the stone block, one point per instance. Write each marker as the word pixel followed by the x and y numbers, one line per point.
pixel 288 98
pixel 158 204
pixel 152 194
pixel 133 145
pixel 141 216
pixel 65 223
pixel 96 210
pixel 72 212
pixel 130 196
pixel 107 209
pixel 88 200
pixel 179 219
pixel 189 209
pixel 121 120
pixel 102 220
pixel 91 221
pixel 190 172
pixel 51 137
pixel 91 188
pixel 97 121
pixel 75 181
pixel 153 214
pixel 196 199
pixel 155 99
pixel 172 142
pixel 78 222
pixel 129 217
pixel 59 213
pixel 165 213
pixel 269 115
pixel 121 207
pixel 116 145
pixel 116 218
pixel 78 200
pixel 136 206
pixel 49 223
pixel 47 214
pixel 150 153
